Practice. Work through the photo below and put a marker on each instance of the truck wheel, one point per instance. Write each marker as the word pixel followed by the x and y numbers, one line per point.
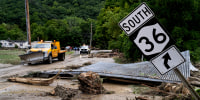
pixel 61 57
pixel 50 59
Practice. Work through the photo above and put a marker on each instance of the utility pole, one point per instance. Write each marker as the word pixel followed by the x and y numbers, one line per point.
pixel 91 37
pixel 27 22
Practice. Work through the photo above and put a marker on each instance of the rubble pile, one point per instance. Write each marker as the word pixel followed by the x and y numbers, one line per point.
pixel 90 83
pixel 65 93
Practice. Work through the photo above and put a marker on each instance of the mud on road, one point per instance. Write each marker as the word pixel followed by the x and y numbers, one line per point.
pixel 20 91
pixel 7 70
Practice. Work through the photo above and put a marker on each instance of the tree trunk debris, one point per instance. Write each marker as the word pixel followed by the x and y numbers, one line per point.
pixel 90 83
pixel 34 81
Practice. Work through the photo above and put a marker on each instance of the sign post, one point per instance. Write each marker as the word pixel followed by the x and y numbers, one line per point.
pixel 154 42
pixel 188 86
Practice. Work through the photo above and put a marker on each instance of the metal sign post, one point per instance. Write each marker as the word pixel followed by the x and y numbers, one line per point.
pixel 154 42
pixel 185 82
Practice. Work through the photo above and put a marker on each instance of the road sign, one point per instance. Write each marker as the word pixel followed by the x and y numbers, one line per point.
pixel 168 59
pixel 136 19
pixel 152 39
pixel 146 32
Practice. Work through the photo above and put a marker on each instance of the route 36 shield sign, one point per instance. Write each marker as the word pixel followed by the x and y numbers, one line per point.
pixel 151 39
pixel 146 32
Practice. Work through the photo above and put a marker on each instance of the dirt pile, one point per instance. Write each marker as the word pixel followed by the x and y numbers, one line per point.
pixel 65 93
pixel 90 83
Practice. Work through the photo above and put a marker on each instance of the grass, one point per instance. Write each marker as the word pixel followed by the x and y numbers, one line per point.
pixel 10 56
pixel 69 52
pixel 122 60
pixel 138 89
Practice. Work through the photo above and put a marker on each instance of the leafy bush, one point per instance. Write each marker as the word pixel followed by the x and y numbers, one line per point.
pixel 195 55
pixel 114 44
pixel 16 46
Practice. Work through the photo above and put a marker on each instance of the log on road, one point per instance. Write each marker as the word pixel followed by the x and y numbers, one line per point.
pixel 34 81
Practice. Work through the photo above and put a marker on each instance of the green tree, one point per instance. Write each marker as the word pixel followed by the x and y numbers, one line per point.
pixel 37 32
pixel 12 32
pixel 3 31
pixel 15 33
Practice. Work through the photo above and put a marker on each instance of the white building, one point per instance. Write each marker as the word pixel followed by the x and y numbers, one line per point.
pixel 11 43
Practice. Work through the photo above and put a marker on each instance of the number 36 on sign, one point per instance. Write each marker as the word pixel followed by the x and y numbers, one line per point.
pixel 151 39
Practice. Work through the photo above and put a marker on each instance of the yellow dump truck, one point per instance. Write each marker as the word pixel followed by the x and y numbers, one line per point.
pixel 43 51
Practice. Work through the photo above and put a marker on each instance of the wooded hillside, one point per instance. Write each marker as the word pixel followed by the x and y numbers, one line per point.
pixel 68 21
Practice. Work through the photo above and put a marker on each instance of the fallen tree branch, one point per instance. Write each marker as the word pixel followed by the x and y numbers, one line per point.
pixel 34 81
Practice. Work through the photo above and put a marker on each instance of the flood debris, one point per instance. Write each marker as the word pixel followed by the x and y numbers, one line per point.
pixel 106 54
pixel 78 66
pixel 91 83
pixel 194 81
pixel 195 78
pixel 140 71
pixel 64 93
pixel 34 81
pixel 171 91
pixel 174 88
pixel 141 98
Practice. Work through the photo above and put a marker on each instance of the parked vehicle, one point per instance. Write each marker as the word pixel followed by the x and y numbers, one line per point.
pixel 85 49
pixel 43 52
pixel 76 49
pixel 68 48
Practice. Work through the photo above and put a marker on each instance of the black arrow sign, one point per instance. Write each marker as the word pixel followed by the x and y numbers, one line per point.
pixel 166 57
